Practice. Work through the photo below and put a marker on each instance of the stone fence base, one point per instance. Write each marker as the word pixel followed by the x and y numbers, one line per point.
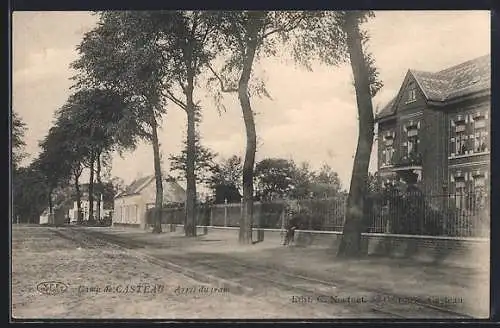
pixel 463 252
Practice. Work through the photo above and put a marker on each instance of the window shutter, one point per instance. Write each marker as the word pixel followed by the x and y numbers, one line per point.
pixel 485 175
pixel 452 178
pixel 452 123
pixel 486 115
pixel 466 119
pixel 418 125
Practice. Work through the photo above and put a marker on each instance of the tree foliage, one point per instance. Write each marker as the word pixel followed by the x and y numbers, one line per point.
pixel 281 178
pixel 126 52
pixel 228 172
pixel 122 54
pixel 205 165
pixel 29 194
pixel 17 139
pixel 274 178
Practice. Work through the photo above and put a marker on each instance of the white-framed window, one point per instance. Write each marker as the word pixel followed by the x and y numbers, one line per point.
pixel 388 151
pixel 480 134
pixel 479 181
pixel 412 144
pixel 480 142
pixel 480 195
pixel 461 143
pixel 460 127
pixel 412 93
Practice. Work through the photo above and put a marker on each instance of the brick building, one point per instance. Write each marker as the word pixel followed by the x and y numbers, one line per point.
pixel 438 127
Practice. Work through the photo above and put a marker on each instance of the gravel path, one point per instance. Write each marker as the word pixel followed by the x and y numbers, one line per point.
pixel 110 282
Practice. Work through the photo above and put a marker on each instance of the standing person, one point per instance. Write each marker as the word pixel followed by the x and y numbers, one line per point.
pixel 293 221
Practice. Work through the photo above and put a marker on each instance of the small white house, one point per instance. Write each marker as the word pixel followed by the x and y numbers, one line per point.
pixel 44 217
pixel 130 206
pixel 85 206
pixel 58 217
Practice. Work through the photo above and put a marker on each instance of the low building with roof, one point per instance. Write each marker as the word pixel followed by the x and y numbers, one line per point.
pixel 437 129
pixel 131 205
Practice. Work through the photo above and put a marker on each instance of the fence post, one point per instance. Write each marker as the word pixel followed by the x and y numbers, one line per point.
pixel 225 212
pixel 283 219
pixel 445 209
pixel 242 209
pixel 211 216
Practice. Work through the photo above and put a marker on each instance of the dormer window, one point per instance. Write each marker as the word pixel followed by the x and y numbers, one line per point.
pixel 412 93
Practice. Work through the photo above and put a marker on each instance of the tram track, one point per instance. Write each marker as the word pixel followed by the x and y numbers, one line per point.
pixel 259 278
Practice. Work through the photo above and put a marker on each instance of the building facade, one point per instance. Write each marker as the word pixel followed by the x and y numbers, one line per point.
pixel 131 205
pixel 437 129
pixel 85 207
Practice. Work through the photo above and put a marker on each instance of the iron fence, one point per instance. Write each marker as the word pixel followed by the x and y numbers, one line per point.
pixel 412 213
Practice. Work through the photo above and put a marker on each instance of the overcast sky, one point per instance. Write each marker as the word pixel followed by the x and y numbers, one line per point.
pixel 312 116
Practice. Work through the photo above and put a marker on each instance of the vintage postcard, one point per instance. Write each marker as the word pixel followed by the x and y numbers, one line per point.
pixel 250 165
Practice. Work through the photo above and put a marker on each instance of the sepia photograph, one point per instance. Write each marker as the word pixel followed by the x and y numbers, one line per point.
pixel 301 165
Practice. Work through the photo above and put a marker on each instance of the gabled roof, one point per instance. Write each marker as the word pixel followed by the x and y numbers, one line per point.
pixel 175 192
pixel 457 81
pixel 388 109
pixel 136 186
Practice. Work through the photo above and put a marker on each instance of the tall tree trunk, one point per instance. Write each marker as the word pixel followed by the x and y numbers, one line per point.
pixel 190 221
pixel 245 234
pixel 350 245
pixel 51 206
pixel 158 178
pixel 91 187
pixel 99 185
pixel 78 199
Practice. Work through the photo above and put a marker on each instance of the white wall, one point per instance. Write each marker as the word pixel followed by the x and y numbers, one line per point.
pixel 85 210
pixel 129 210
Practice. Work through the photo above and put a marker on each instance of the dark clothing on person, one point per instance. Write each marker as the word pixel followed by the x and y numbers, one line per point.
pixel 293 225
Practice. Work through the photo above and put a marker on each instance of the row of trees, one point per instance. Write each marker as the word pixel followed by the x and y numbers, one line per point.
pixel 84 134
pixel 273 177
pixel 135 65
